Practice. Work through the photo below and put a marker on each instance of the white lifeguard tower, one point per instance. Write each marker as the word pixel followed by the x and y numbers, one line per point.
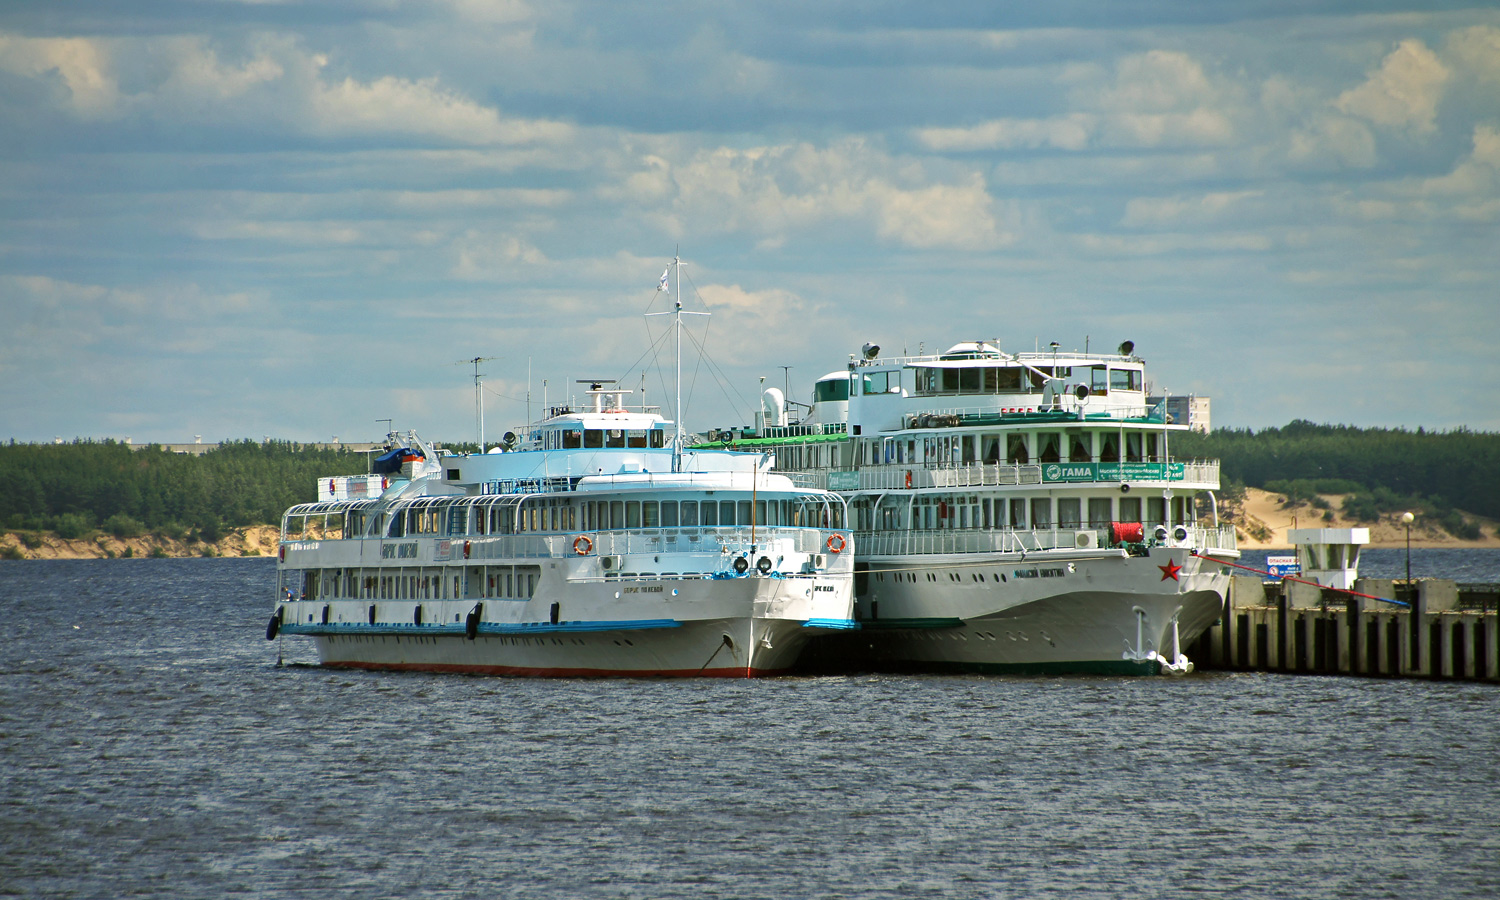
pixel 1329 556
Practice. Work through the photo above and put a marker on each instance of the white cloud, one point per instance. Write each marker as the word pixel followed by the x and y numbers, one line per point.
pixel 1068 132
pixel 772 190
pixel 81 64
pixel 1403 93
pixel 1149 211
pixel 483 257
pixel 1477 49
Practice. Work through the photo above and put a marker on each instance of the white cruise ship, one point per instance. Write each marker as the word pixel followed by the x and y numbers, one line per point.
pixel 1012 512
pixel 593 545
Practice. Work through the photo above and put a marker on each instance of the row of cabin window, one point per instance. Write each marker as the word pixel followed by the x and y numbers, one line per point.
pixel 1021 448
pixel 494 581
pixel 797 457
pixel 602 438
pixel 936 512
pixel 605 515
pixel 993 380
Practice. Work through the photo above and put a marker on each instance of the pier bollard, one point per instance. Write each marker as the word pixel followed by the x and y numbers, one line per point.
pixel 1356 662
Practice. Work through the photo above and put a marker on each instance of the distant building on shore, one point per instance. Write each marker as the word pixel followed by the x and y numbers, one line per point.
pixel 1186 409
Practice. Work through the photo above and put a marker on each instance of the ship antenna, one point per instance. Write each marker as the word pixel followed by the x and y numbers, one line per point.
pixel 680 435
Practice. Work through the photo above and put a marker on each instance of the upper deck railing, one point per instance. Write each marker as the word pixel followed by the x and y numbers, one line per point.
pixel 1198 473
pixel 958 541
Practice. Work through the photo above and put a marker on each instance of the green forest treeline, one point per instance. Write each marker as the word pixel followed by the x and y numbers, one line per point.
pixel 74 489
pixel 78 488
pixel 1381 470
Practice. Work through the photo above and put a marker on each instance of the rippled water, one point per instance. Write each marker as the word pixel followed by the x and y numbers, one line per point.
pixel 153 748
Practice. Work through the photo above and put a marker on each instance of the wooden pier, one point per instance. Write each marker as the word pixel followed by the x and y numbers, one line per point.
pixel 1450 631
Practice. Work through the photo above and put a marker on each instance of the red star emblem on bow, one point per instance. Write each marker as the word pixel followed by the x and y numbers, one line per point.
pixel 1170 570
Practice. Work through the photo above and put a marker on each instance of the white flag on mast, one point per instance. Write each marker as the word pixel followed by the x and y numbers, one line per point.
pixel 662 285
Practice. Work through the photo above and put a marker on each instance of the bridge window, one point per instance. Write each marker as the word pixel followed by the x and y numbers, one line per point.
pixel 636 438
pixel 572 439
pixel 832 390
pixel 1125 379
pixel 658 438
pixel 593 439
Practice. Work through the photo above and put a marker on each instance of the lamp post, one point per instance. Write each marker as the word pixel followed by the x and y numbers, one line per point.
pixel 1406 519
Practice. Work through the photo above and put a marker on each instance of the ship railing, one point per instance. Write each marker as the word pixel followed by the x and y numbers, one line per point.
pixel 1201 471
pixel 959 541
pixel 810 480
pixel 979 474
pixel 727 539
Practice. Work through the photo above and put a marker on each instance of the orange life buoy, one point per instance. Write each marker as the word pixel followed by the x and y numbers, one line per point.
pixel 582 545
pixel 836 543
pixel 908 478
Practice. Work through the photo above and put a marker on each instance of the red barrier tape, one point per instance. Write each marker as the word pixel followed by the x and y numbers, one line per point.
pixel 1301 580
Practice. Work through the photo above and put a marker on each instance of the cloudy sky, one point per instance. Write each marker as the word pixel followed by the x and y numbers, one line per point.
pixel 239 219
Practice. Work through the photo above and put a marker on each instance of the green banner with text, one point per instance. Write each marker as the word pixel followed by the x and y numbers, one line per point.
pixel 1129 471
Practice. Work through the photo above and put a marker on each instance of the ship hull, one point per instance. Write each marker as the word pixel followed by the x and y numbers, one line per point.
pixel 720 627
pixel 1041 615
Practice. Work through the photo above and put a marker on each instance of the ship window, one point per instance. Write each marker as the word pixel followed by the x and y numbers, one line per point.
pixel 617 514
pixel 1125 379
pixel 1078 447
pixel 1153 447
pixel 831 390
pixel 1130 509
pixel 650 514
pixel 658 438
pixel 710 511
pixel 1109 449
pixel 593 438
pixel 970 380
pixel 1133 447
pixel 1017 513
pixel 1015 450
pixel 992 448
pixel 572 439
pixel 689 514
pixel 744 513
pixel 636 438
pixel 669 514
pixel 1099 380
pixel 878 383
pixel 726 513
pixel 1099 512
pixel 760 512
pixel 1070 512
pixel 1041 512
pixel 1051 447
pixel 1156 511
pixel 614 438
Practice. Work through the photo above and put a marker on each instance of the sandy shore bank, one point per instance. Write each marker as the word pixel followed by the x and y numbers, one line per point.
pixel 257 540
pixel 1263 519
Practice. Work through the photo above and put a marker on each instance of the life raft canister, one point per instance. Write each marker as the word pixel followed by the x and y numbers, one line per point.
pixel 582 545
pixel 836 543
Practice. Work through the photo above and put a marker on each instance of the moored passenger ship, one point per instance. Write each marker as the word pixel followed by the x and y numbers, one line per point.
pixel 1012 512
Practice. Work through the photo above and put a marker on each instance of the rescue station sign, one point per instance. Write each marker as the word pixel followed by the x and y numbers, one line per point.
pixel 1129 471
